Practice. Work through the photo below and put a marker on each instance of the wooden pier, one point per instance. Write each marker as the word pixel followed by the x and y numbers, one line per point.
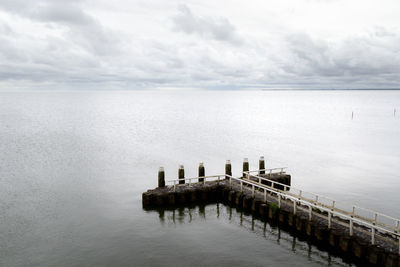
pixel 367 236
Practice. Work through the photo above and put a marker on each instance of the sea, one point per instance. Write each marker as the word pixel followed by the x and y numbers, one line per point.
pixel 74 165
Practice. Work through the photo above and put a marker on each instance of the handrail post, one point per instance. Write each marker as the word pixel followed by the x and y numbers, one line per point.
pixel 279 200
pixel 309 212
pixel 252 190
pixel 316 199
pixel 230 182
pixel 294 207
pixel 329 220
pixel 373 235
pixel 333 204
pixel 397 226
pixel 265 195
pixel 241 187
pixel 375 217
pixel 351 226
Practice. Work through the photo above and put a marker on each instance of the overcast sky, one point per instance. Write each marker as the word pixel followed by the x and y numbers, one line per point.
pixel 144 44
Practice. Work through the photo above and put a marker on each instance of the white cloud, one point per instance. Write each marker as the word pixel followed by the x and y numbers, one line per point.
pixel 204 44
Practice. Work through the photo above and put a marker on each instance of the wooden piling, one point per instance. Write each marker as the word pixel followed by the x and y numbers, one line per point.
pixel 161 177
pixel 263 210
pixel 345 243
pixel 181 174
pixel 245 166
pixel 228 169
pixel 239 200
pixel 232 197
pixel 247 202
pixel 201 172
pixel 261 164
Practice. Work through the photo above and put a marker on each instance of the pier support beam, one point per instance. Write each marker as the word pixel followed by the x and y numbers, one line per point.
pixel 181 174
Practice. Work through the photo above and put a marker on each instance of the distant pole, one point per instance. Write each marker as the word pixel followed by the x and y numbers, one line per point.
pixel 201 172
pixel 181 174
pixel 161 177
pixel 352 115
pixel 261 165
pixel 228 168
pixel 245 166
pixel 394 113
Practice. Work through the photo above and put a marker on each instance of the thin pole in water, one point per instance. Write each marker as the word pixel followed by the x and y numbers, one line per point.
pixel 352 115
pixel 394 113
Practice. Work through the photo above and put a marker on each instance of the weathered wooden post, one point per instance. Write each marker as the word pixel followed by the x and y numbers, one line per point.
pixel 161 177
pixel 201 172
pixel 245 166
pixel 228 169
pixel 261 165
pixel 181 174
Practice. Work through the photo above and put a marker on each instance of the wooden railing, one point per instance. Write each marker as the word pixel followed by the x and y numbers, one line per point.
pixel 376 225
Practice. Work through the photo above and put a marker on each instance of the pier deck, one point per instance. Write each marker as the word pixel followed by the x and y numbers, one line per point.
pixel 365 234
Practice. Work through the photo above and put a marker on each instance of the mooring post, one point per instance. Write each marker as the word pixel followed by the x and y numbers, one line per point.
pixel 161 177
pixel 228 168
pixel 245 167
pixel 201 172
pixel 181 174
pixel 261 166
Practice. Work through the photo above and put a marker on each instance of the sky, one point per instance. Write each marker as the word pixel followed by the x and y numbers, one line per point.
pixel 224 44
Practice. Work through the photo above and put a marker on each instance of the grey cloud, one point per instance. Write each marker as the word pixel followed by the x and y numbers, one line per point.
pixel 85 52
pixel 207 27
pixel 84 30
pixel 356 57
pixel 36 9
pixel 5 29
pixel 62 12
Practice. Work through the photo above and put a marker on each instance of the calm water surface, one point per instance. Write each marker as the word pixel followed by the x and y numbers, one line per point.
pixel 73 166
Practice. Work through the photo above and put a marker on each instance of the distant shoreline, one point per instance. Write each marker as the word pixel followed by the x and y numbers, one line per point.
pixel 369 89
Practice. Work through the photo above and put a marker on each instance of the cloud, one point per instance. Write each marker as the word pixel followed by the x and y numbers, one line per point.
pixel 84 30
pixel 219 29
pixel 93 44
pixel 357 57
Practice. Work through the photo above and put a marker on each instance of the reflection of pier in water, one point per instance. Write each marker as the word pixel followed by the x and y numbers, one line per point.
pixel 286 239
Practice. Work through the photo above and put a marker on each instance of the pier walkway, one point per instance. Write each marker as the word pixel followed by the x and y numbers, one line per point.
pixel 368 225
pixel 365 235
